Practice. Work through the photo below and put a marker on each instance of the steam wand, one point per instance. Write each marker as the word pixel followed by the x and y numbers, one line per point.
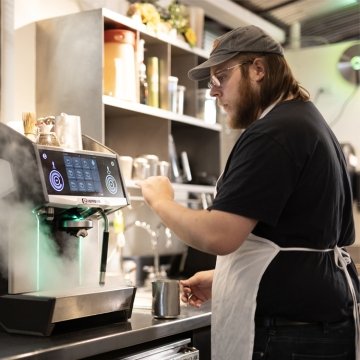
pixel 104 249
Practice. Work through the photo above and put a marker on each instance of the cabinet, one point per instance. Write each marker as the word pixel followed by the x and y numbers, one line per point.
pixel 69 78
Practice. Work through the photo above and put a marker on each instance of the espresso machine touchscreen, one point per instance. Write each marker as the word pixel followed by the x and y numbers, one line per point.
pixel 80 174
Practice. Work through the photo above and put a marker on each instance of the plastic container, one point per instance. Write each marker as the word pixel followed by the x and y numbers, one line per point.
pixel 120 77
pixel 172 88
pixel 180 97
pixel 206 106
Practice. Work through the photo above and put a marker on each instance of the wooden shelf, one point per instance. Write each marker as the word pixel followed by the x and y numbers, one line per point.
pixel 116 107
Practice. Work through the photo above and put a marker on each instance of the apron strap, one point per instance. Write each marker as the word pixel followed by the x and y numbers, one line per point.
pixel 342 260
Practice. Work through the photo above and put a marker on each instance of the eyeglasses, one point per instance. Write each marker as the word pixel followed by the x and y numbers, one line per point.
pixel 217 79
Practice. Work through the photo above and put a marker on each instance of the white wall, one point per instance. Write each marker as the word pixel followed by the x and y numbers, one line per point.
pixel 27 11
pixel 7 59
pixel 316 69
pixel 18 48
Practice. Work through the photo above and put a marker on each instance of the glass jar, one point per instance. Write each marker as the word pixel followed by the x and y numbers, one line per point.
pixel 48 139
pixel 46 136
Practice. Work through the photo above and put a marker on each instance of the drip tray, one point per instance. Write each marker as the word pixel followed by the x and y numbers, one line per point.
pixel 39 313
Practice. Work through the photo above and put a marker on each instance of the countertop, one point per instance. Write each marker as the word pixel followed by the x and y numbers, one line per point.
pixel 139 329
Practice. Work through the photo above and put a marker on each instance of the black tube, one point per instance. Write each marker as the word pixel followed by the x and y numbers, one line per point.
pixel 104 255
pixel 104 248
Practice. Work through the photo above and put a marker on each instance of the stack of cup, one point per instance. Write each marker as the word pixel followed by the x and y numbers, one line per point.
pixel 153 161
pixel 143 166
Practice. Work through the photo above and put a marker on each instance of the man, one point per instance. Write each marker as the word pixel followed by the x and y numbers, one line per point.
pixel 282 288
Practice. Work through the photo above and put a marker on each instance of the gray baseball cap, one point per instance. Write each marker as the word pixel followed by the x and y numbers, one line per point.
pixel 240 40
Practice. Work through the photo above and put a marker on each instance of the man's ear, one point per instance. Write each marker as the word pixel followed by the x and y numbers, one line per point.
pixel 258 69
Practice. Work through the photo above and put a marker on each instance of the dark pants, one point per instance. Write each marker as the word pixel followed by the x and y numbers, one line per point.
pixel 305 342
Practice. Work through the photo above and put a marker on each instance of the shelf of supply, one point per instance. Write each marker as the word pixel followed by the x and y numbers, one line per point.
pixel 69 78
pixel 115 20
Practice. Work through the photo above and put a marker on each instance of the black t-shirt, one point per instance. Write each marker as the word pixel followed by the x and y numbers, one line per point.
pixel 287 171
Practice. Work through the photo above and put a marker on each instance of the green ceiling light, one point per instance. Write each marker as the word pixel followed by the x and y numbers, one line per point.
pixel 349 64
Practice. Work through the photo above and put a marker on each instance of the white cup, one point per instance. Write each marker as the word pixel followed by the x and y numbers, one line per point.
pixel 163 168
pixel 126 165
pixel 153 161
pixel 141 168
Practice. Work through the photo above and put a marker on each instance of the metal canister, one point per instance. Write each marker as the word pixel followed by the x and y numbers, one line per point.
pixel 165 298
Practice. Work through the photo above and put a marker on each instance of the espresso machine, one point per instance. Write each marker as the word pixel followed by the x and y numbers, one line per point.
pixel 54 236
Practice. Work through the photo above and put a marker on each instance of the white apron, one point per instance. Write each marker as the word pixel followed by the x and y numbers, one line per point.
pixel 235 286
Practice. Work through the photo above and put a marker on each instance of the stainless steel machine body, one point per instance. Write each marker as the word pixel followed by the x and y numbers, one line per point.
pixel 54 205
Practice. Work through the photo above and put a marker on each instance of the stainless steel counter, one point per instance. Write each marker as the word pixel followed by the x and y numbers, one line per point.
pixel 140 329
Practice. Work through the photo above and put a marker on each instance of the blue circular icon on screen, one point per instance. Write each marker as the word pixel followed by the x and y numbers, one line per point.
pixel 111 184
pixel 56 180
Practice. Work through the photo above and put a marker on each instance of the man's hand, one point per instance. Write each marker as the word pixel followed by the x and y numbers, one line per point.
pixel 156 189
pixel 197 289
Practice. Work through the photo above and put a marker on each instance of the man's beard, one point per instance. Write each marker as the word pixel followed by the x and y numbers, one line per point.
pixel 246 108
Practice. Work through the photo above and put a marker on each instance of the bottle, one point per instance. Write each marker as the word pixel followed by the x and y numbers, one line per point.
pixel 153 81
pixel 142 73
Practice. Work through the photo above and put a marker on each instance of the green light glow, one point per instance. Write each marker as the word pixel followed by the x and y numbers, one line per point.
pixel 355 63
pixel 348 2
pixel 38 254
pixel 80 259
pixel 74 217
